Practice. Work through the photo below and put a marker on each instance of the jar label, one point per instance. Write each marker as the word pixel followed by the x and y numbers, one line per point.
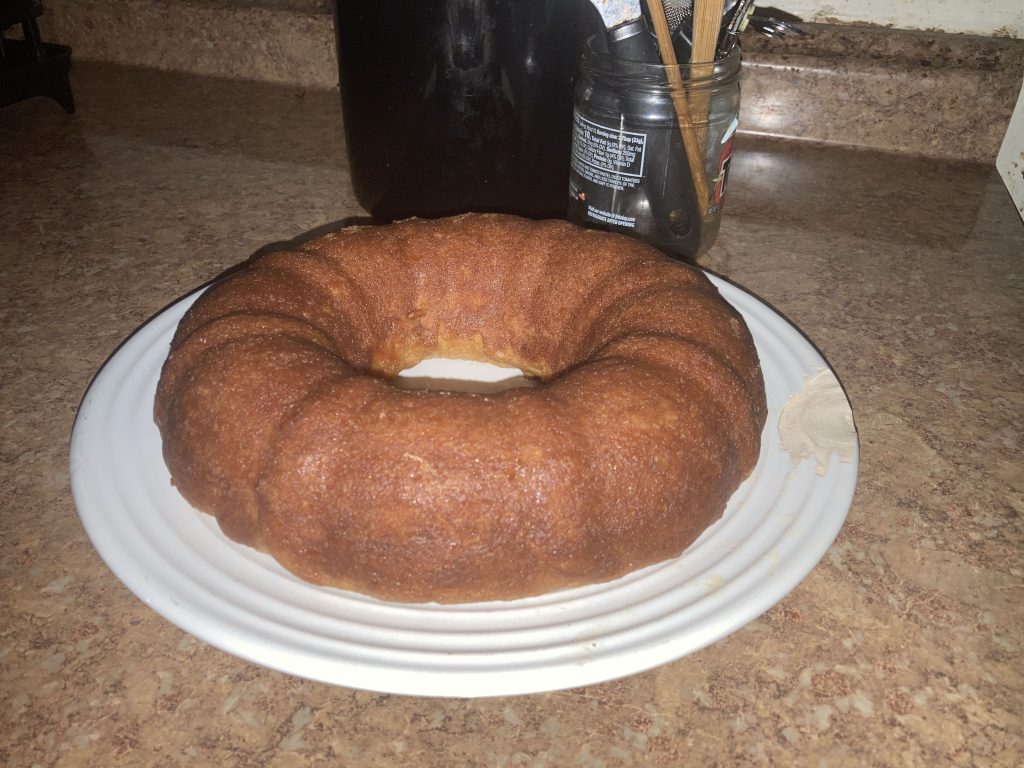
pixel 721 180
pixel 606 156
pixel 607 163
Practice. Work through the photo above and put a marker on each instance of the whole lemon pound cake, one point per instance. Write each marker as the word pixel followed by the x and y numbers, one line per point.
pixel 279 415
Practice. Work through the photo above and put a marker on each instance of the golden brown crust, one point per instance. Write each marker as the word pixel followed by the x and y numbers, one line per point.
pixel 277 415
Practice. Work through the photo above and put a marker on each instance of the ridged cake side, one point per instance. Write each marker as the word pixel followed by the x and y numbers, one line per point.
pixel 278 417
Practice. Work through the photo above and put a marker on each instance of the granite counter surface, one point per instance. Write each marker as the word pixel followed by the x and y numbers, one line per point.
pixel 903 647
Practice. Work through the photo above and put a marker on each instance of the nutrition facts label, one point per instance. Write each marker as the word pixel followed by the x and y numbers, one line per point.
pixel 607 156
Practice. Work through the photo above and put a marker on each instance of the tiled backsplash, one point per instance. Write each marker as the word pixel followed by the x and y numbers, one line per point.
pixel 925 93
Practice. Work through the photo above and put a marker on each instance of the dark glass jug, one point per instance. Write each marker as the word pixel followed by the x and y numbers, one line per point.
pixel 460 105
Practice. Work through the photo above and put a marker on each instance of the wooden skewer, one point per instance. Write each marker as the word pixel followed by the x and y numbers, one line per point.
pixel 692 137
pixel 707 24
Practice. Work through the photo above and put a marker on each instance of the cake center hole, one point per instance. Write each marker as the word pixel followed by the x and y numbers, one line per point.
pixel 451 375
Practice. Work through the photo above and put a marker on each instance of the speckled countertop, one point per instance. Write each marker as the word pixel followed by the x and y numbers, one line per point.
pixel 903 647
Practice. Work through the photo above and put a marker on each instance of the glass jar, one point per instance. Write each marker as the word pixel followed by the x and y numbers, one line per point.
pixel 650 150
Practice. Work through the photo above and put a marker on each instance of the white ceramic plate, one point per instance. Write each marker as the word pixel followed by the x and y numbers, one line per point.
pixel 775 529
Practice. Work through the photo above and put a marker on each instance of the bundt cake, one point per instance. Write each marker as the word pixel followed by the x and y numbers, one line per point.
pixel 279 416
